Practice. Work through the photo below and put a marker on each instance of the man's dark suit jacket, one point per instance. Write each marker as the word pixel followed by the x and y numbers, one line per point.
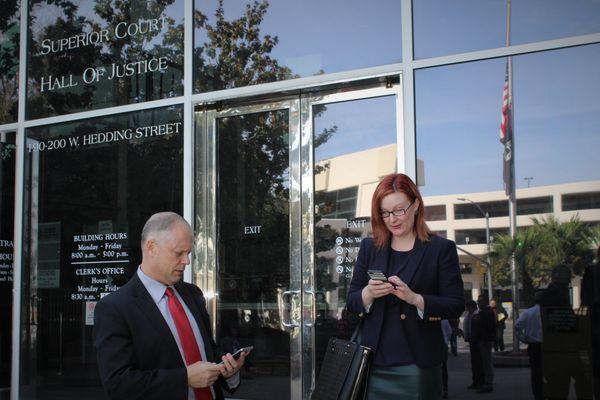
pixel 138 357
pixel 484 325
pixel 432 271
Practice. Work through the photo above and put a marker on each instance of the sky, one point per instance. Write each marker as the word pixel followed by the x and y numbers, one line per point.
pixel 556 93
pixel 556 121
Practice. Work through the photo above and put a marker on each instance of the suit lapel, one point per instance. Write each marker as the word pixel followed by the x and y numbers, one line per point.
pixel 192 304
pixel 414 261
pixel 145 303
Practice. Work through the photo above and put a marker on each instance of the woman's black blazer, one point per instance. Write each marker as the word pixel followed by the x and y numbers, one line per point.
pixel 433 272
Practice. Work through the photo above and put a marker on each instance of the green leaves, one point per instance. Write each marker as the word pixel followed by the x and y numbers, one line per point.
pixel 540 247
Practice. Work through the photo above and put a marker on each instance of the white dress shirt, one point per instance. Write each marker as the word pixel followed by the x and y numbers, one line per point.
pixel 529 325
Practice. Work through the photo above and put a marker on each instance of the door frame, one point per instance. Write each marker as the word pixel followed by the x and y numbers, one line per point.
pixel 301 202
pixel 308 205
pixel 206 218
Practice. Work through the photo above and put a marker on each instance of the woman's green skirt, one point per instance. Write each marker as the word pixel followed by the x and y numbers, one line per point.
pixel 406 382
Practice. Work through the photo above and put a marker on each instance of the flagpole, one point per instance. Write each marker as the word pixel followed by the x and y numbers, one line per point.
pixel 512 205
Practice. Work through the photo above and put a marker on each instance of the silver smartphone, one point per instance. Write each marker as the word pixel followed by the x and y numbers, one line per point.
pixel 238 353
pixel 376 275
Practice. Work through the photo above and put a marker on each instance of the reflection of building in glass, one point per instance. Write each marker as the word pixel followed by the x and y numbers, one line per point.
pixel 358 171
pixel 463 222
pixel 454 219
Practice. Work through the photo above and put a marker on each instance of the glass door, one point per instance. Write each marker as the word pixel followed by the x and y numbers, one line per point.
pixel 7 209
pixel 350 140
pixel 282 202
pixel 254 221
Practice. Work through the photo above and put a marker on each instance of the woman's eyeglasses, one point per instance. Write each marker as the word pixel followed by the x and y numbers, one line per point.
pixel 396 213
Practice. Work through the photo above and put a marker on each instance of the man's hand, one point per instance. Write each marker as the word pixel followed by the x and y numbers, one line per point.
pixel 230 365
pixel 202 374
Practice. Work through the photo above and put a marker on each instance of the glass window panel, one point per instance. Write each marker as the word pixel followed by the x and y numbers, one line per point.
pixel 467 269
pixel 245 43
pixel 556 137
pixel 90 187
pixel 442 28
pixel 580 201
pixel 97 54
pixel 347 170
pixel 7 208
pixel 493 208
pixel 537 205
pixel 435 213
pixel 443 234
pixel 9 61
pixel 253 245
pixel 476 236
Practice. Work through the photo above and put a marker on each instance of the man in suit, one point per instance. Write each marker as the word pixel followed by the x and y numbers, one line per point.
pixel 153 336
pixel 470 334
pixel 500 315
pixel 484 327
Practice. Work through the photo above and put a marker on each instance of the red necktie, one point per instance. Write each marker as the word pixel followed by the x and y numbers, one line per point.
pixel 187 338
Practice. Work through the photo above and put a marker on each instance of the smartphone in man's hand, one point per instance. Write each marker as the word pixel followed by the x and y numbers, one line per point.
pixel 238 353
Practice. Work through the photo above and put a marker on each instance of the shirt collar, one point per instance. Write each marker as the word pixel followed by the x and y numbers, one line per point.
pixel 154 287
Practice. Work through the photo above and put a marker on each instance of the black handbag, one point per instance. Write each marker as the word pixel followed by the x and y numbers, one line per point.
pixel 345 369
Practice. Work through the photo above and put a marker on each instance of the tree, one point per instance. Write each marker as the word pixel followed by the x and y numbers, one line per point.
pixel 235 54
pixel 537 249
pixel 9 64
pixel 527 249
pixel 594 236
pixel 568 242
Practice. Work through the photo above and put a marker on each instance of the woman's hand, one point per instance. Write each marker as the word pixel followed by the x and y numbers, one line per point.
pixel 374 290
pixel 403 292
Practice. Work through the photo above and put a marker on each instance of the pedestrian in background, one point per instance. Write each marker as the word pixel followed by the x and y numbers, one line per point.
pixel 500 315
pixel 485 322
pixel 470 336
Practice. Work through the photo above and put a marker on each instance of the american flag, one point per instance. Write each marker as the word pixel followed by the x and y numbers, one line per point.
pixel 506 135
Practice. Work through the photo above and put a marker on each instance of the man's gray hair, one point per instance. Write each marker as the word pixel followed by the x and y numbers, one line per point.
pixel 161 222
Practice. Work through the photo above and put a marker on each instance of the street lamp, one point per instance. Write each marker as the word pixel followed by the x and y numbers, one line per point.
pixel 487 241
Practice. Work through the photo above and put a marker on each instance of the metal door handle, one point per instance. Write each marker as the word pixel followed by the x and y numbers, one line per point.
pixel 283 297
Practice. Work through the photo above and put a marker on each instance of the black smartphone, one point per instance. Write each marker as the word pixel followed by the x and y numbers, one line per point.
pixel 238 353
pixel 377 275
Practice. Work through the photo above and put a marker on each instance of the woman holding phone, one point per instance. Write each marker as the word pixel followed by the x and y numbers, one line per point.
pixel 403 313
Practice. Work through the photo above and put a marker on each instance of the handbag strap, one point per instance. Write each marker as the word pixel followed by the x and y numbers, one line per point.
pixel 357 334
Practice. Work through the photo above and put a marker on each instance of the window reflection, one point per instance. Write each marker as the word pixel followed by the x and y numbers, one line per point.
pixel 556 170
pixel 9 61
pixel 347 170
pixel 90 186
pixel 246 43
pixel 95 54
pixel 253 246
pixel 7 208
pixel 443 28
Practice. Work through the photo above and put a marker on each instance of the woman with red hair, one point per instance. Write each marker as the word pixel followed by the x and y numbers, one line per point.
pixel 403 310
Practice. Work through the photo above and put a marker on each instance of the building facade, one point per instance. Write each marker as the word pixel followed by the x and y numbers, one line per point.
pixel 267 125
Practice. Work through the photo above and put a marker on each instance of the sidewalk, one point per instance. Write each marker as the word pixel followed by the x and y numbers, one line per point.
pixel 509 383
